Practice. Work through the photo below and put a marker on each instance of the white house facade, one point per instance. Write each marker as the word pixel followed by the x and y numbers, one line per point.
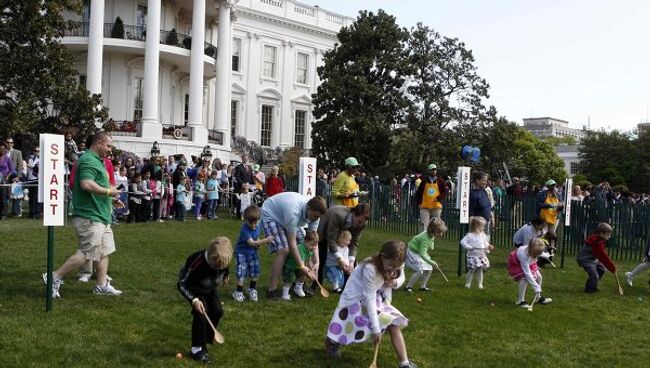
pixel 191 73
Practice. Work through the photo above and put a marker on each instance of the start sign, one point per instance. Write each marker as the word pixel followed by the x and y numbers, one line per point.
pixel 307 176
pixel 463 193
pixel 51 181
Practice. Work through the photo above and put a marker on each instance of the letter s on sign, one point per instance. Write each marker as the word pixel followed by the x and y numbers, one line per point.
pixel 54 149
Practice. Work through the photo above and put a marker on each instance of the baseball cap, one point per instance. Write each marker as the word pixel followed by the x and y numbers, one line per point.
pixel 351 161
pixel 256 167
pixel 550 182
pixel 433 167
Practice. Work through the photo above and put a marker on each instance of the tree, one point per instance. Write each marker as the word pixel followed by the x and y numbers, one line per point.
pixel 611 156
pixel 445 95
pixel 38 84
pixel 360 99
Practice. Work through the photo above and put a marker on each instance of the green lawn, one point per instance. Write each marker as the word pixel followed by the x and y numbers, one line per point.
pixel 150 322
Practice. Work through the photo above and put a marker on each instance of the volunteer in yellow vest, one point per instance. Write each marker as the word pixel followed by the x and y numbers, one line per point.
pixel 548 205
pixel 345 190
pixel 431 191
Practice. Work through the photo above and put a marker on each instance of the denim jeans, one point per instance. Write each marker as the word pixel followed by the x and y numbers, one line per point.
pixel 212 206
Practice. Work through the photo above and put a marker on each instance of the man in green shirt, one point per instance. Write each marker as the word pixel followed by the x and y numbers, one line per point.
pixel 92 197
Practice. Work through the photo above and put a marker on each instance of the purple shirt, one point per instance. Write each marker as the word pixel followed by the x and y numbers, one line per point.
pixel 6 166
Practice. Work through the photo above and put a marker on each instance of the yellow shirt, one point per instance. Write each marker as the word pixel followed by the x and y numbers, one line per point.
pixel 549 215
pixel 430 196
pixel 344 186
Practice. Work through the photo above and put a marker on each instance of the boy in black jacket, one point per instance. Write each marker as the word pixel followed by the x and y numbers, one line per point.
pixel 203 272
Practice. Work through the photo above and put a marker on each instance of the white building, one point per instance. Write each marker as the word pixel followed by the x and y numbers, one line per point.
pixel 570 156
pixel 188 73
pixel 551 127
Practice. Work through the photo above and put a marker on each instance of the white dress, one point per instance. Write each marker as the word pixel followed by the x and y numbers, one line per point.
pixel 476 245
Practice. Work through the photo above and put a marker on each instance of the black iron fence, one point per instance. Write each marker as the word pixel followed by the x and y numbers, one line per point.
pixel 394 209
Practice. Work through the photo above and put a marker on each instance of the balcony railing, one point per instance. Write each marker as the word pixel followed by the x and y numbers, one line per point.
pixel 122 127
pixel 139 33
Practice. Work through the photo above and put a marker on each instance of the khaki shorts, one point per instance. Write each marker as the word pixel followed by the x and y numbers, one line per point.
pixel 95 239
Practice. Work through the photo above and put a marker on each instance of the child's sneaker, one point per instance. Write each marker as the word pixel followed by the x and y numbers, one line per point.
pixel 424 288
pixel 332 348
pixel 339 290
pixel 629 278
pixel 409 289
pixel 299 292
pixel 286 297
pixel 544 301
pixel 238 296
pixel 252 294
pixel 106 290
pixel 523 305
pixel 84 277
pixel 56 285
pixel 408 365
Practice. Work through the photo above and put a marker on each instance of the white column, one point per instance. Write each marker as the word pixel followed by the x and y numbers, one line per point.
pixel 222 87
pixel 150 126
pixel 95 47
pixel 195 119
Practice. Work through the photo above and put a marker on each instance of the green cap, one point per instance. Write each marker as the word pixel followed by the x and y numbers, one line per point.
pixel 433 167
pixel 550 182
pixel 256 167
pixel 351 161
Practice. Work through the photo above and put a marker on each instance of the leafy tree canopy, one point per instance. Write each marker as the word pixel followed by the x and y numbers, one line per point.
pixel 38 84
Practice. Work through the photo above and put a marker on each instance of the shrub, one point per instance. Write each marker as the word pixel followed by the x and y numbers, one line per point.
pixel 172 38
pixel 118 28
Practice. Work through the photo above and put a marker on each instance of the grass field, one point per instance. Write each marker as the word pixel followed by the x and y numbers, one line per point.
pixel 150 322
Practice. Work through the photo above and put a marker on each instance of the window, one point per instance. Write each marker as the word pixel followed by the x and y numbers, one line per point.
pixel 233 117
pixel 270 56
pixel 85 13
pixel 299 140
pixel 82 80
pixel 301 68
pixel 137 103
pixel 574 168
pixel 267 125
pixel 141 21
pixel 236 54
pixel 186 111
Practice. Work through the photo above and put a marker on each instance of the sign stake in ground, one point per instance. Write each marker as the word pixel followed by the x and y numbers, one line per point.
pixel 51 192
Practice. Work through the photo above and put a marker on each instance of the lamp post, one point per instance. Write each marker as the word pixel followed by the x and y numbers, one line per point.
pixel 206 155
pixel 155 150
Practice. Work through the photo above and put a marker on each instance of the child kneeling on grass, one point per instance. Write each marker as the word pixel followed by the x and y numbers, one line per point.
pixel 290 269
pixel 364 310
pixel 203 272
pixel 522 266
pixel 593 257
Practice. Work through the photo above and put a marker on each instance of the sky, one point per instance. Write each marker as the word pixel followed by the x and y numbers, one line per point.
pixel 582 61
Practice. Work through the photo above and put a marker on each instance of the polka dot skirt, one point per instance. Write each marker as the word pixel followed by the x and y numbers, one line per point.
pixel 351 324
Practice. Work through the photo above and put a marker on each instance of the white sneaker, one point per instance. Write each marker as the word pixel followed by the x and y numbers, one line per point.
pixel 56 285
pixel 628 276
pixel 84 277
pixel 299 292
pixel 252 294
pixel 238 296
pixel 286 297
pixel 106 290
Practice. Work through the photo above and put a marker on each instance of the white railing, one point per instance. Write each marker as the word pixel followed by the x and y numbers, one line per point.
pixel 334 18
pixel 276 3
pixel 304 9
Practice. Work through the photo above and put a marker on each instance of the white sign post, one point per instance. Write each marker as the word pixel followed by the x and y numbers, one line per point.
pixel 463 193
pixel 51 192
pixel 51 184
pixel 307 176
pixel 567 202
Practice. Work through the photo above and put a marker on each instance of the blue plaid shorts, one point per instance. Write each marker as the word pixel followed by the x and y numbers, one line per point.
pixel 247 265
pixel 279 234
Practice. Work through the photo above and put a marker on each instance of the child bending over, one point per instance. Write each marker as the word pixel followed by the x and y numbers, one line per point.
pixel 593 257
pixel 291 270
pixel 417 256
pixel 337 263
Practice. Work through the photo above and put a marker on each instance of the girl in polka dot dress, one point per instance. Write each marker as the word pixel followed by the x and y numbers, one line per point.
pixel 364 311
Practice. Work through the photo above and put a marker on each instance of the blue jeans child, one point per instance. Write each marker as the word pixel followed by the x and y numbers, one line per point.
pixel 212 207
